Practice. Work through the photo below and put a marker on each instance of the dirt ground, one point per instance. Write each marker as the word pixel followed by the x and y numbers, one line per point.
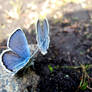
pixel 70 46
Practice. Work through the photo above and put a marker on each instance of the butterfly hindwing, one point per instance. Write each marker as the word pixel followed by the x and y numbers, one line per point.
pixel 18 43
pixel 10 60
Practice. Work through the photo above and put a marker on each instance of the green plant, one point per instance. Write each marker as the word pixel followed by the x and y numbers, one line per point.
pixel 85 79
pixel 50 68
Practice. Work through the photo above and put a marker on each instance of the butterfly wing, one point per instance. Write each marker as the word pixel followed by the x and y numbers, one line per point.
pixel 43 37
pixel 39 37
pixel 46 35
pixel 18 43
pixel 12 61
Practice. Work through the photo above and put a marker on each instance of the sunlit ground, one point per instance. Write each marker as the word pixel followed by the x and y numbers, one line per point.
pixel 24 13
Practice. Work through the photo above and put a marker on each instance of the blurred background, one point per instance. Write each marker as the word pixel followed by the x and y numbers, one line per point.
pixel 24 13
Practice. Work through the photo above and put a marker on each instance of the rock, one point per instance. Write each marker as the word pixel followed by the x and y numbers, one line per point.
pixel 16 83
pixel 22 82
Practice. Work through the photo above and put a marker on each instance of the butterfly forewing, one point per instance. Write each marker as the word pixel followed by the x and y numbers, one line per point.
pixel 46 28
pixel 46 34
pixel 39 34
pixel 18 43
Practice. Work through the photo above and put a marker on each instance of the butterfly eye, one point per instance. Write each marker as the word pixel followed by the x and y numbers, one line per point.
pixel 43 38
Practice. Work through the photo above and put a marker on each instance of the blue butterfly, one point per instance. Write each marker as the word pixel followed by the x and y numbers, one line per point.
pixel 42 37
pixel 18 53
